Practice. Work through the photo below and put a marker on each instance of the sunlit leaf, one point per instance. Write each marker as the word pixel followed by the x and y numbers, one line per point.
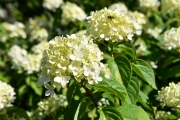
pixel 144 71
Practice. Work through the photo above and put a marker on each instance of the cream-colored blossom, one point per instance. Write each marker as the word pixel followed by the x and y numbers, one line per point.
pixel 121 7
pixel 14 31
pixel 103 101
pixel 25 61
pixel 40 34
pixel 68 57
pixel 49 105
pixel 153 4
pixel 161 115
pixel 154 32
pixel 81 33
pixel 37 33
pixel 3 13
pixel 111 25
pixel 153 64
pixel 171 39
pixel 170 95
pixel 170 6
pixel 71 13
pixel 141 50
pixel 39 48
pixel 139 18
pixel 17 55
pixel 31 63
pixel 52 4
pixel 6 95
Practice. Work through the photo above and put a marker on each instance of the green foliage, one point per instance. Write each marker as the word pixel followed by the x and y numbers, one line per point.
pixel 110 113
pixel 144 71
pixel 128 94
pixel 112 87
pixel 125 69
pixel 133 89
pixel 133 112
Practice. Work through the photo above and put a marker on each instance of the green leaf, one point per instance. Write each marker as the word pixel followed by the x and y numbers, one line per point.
pixel 81 110
pixel 72 90
pixel 36 89
pixel 18 111
pixel 133 112
pixel 145 105
pixel 144 71
pixel 170 60
pixel 114 69
pixel 102 116
pixel 174 71
pixel 108 96
pixel 112 87
pixel 112 112
pixel 127 49
pixel 77 111
pixel 22 90
pixel 30 81
pixel 143 96
pixel 71 110
pixel 133 90
pixel 124 67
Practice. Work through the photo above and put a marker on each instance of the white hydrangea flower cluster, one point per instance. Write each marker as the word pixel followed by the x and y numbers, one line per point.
pixel 39 48
pixel 121 7
pixel 28 62
pixel 172 39
pixel 68 57
pixel 6 95
pixel 161 115
pixel 139 18
pixel 154 32
pixel 106 71
pixel 140 51
pixel 72 13
pixel 103 101
pixel 51 104
pixel 37 33
pixel 82 33
pixel 170 6
pixel 52 4
pixel 31 63
pixel 170 95
pixel 3 13
pixel 14 31
pixel 153 4
pixel 17 54
pixel 111 25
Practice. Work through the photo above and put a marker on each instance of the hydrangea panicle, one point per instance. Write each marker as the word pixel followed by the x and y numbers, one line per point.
pixel 170 6
pixel 69 57
pixel 72 13
pixel 170 95
pixel 153 4
pixel 121 7
pixel 15 30
pixel 172 39
pixel 6 95
pixel 25 61
pixel 111 25
pixel 52 4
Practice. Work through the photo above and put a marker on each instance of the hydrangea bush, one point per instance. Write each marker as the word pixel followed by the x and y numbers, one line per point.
pixel 90 60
